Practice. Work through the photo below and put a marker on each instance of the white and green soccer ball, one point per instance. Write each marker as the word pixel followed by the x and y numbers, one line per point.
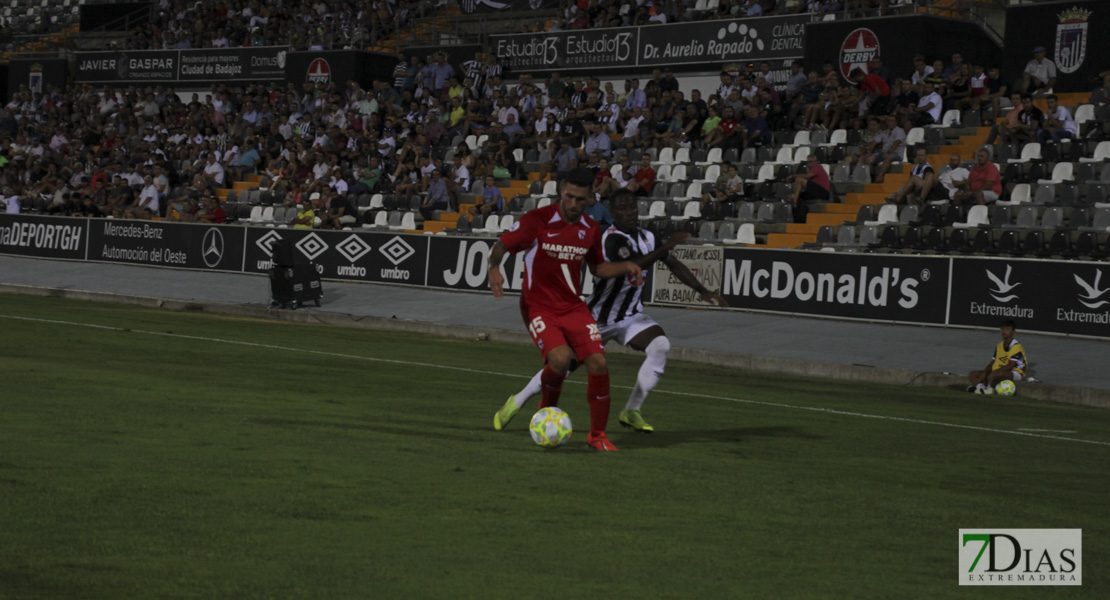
pixel 550 427
pixel 1005 388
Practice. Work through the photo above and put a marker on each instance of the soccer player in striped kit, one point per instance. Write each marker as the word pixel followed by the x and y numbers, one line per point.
pixel 617 306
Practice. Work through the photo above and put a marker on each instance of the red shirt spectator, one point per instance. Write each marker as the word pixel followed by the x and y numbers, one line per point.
pixel 985 177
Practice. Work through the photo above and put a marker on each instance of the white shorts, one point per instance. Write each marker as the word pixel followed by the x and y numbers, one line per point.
pixel 623 331
pixel 1015 376
pixel 989 196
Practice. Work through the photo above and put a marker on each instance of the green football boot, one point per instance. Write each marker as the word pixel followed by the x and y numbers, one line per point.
pixel 502 417
pixel 633 419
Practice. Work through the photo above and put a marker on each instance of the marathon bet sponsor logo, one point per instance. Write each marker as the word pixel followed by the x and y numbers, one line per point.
pixel 311 246
pixel 1002 291
pixel 862 288
pixel 1092 295
pixel 396 251
pixel 1021 557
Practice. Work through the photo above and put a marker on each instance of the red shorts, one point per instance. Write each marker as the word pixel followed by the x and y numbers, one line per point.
pixel 576 329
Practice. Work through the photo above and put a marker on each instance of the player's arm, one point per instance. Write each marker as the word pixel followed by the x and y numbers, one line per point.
pixel 496 280
pixel 609 270
pixel 646 260
pixel 684 275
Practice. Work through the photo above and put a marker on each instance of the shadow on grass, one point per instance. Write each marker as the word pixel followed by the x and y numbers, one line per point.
pixel 735 435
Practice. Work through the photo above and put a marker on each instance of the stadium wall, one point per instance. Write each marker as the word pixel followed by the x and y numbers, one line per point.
pixel 848 44
pixel 1058 297
pixel 1069 32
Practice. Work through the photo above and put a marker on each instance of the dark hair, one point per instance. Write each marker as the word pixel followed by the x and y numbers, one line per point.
pixel 580 176
pixel 620 196
pixel 1008 323
pixel 856 71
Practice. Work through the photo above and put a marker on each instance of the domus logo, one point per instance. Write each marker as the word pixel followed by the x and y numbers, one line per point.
pixel 1021 557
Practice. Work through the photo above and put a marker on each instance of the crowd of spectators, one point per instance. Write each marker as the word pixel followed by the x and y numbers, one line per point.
pixel 583 14
pixel 139 152
pixel 314 25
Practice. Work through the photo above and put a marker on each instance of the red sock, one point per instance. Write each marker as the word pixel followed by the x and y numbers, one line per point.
pixel 552 386
pixel 597 392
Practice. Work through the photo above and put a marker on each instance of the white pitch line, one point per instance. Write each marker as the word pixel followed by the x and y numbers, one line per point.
pixel 1021 432
pixel 1047 430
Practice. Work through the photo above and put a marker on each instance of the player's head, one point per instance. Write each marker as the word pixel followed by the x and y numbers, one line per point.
pixel 1006 328
pixel 623 206
pixel 576 189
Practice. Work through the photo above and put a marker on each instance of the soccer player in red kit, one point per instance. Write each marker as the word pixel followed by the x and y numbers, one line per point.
pixel 557 238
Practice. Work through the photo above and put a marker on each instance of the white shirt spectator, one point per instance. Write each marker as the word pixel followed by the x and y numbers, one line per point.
pixel 1044 70
pixel 320 170
pixel 11 204
pixel 919 76
pixel 632 127
pixel 937 102
pixel 149 192
pixel 462 177
pixel 948 179
pixel 216 171
pixel 1064 117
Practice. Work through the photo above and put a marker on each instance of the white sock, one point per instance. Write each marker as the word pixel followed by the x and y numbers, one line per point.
pixel 531 389
pixel 650 372
pixel 981 386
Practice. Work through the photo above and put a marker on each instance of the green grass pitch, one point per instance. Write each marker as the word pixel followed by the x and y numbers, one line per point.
pixel 151 458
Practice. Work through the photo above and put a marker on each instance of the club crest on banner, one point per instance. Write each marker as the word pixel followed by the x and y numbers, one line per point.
pixel 1071 39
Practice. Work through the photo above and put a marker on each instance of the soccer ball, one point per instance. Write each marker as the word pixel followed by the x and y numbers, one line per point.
pixel 550 427
pixel 1005 388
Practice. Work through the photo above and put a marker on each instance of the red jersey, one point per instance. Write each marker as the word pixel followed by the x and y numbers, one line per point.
pixel 872 81
pixel 646 177
pixel 555 251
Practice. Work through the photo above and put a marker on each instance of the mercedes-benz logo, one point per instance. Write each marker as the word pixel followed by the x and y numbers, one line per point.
pixel 212 248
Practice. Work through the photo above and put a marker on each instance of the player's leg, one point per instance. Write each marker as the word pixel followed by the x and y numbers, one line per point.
pixel 585 338
pixel 655 345
pixel 597 393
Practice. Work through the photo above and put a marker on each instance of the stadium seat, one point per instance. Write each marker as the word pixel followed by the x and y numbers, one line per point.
pixel 551 188
pixel 707 231
pixel 861 174
pixel 935 240
pixel 1045 194
pixel 950 118
pixel 542 202
pixel 691 210
pixel 801 138
pixel 1019 195
pixel 915 136
pixel 1029 152
pixel 682 155
pixel 1100 221
pixel 1001 216
pixel 678 172
pixel 888 214
pixel 663 173
pixel 1083 114
pixel 841 174
pixel 712 158
pixel 1060 245
pixel 712 172
pixel 1101 153
pixel 766 173
pixel 1051 219
pixel 666 157
pixel 1060 173
pixel 256 215
pixel 745 212
pixel 1026 218
pixel 726 231
pixel 846 236
pixel 745 234
pixel 975 217
pixel 908 214
pixel 657 210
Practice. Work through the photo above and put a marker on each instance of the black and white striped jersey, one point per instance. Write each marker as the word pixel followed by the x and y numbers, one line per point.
pixel 617 299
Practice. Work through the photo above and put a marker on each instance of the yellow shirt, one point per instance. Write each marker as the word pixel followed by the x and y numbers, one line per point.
pixel 302 214
pixel 457 115
pixel 1002 356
